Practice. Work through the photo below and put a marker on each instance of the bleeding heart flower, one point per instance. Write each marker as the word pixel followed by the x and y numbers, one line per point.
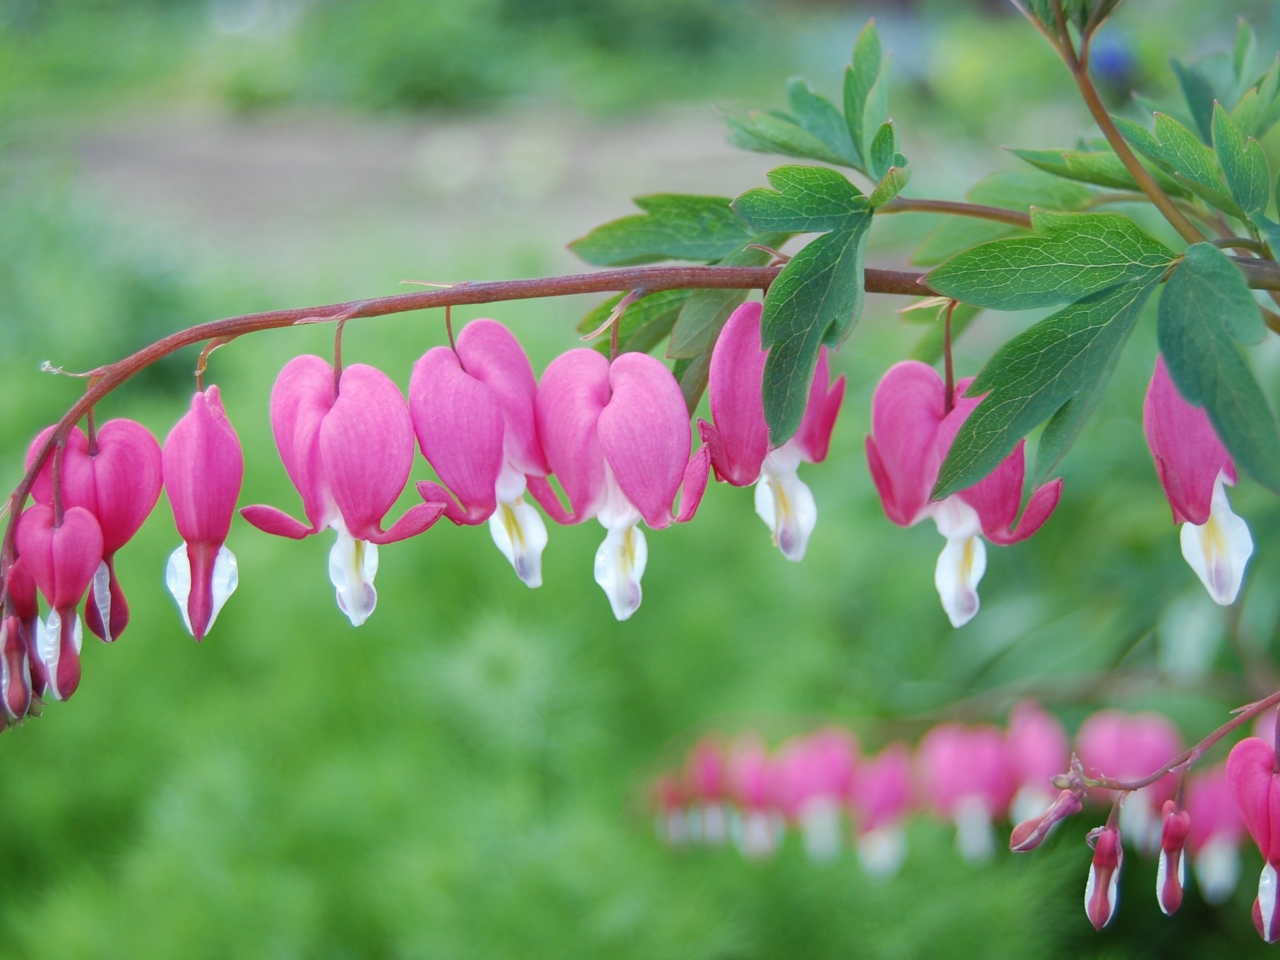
pixel 1102 892
pixel 1038 751
pixel 739 438
pixel 26 605
pixel 1255 787
pixel 705 784
pixel 617 435
pixel 964 774
pixel 203 467
pixel 1194 469
pixel 814 773
pixel 118 480
pixel 15 670
pixel 61 558
pixel 911 432
pixel 348 448
pixel 879 800
pixel 753 783
pixel 1171 875
pixel 473 412
pixel 668 802
pixel 1216 831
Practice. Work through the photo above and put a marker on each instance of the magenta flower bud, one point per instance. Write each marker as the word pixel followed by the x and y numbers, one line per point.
pixel 15 670
pixel 1171 874
pixel 1122 747
pixel 911 432
pixel 62 560
pixel 119 483
pixel 1216 832
pixel 1030 833
pixel 22 592
pixel 617 435
pixel 814 774
pixel 1194 468
pixel 964 774
pixel 1102 892
pixel 739 437
pixel 879 800
pixel 349 455
pixel 1255 787
pixel 1038 750
pixel 203 467
pixel 474 414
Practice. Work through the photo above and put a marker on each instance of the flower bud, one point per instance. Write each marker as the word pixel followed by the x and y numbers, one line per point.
pixel 1102 892
pixel 15 671
pixel 1172 872
pixel 1032 832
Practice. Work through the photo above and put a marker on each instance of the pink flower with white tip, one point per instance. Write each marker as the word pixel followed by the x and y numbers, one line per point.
pixel 347 445
pixel 964 775
pixel 117 478
pixel 1038 751
pixel 879 800
pixel 473 412
pixel 1195 470
pixel 705 782
pixel 15 671
pixel 22 675
pixel 617 435
pixel 62 554
pixel 911 432
pixel 203 467
pixel 1171 874
pixel 753 783
pixel 739 438
pixel 1113 744
pixel 814 774
pixel 1255 786
pixel 1102 890
pixel 1216 831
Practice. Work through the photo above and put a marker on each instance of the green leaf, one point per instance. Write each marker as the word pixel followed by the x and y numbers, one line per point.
pixel 1196 342
pixel 1177 149
pixel 804 200
pixel 692 376
pixel 673 226
pixel 818 115
pixel 895 178
pixel 1072 255
pixel 1067 355
pixel 1243 165
pixel 816 299
pixel 884 147
pixel 929 348
pixel 866 92
pixel 642 325
pixel 1100 167
pixel 705 312
pixel 1198 92
pixel 1226 293
pixel 1245 53
pixel 767 133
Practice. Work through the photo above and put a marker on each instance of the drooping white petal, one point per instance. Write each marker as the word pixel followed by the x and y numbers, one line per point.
pixel 820 829
pixel 100 592
pixel 882 851
pixel 49 646
pixel 760 834
pixel 1218 869
pixel 975 837
pixel 715 824
pixel 1112 894
pixel 963 560
pixel 1162 876
pixel 518 531
pixel 226 577
pixel 352 566
pixel 1030 801
pixel 785 503
pixel 1218 549
pixel 1268 891
pixel 621 558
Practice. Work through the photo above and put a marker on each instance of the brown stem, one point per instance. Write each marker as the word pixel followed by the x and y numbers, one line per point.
pixel 976 210
pixel 1140 174
pixel 337 356
pixel 946 356
pixel 448 327
pixel 1241 243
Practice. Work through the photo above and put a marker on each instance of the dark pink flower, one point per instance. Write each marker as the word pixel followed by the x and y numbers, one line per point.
pixel 965 776
pixel 1255 787
pixel 1102 892
pixel 1114 744
pixel 911 432
pixel 473 412
pixel 203 467
pixel 617 436
pixel 15 670
pixel 348 448
pixel 118 481
pixel 1031 832
pixel 1171 875
pixel 738 438
pixel 26 605
pixel 814 773
pixel 1194 469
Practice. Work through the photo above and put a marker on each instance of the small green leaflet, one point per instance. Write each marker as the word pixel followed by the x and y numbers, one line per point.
pixel 767 133
pixel 674 226
pixel 1243 164
pixel 1181 154
pixel 803 200
pixel 705 312
pixel 1198 92
pixel 866 94
pixel 1072 255
pixel 642 325
pixel 1100 167
pixel 1068 356
pixel 1201 310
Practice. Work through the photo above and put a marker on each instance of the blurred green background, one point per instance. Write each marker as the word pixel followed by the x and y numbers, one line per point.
pixel 464 776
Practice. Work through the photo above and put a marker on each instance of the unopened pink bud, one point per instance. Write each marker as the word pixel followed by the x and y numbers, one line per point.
pixel 1102 892
pixel 1172 872
pixel 1030 833
pixel 15 672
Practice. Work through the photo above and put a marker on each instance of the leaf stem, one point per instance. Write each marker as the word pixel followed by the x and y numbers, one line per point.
pixel 946 356
pixel 976 210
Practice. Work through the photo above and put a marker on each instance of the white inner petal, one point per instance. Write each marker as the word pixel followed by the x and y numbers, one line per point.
pixel 759 834
pixel 672 828
pixel 352 566
pixel 223 583
pixel 49 646
pixel 820 829
pixel 1218 549
pixel 100 590
pixel 517 529
pixel 882 851
pixel 621 558
pixel 715 824
pixel 963 560
pixel 785 503
pixel 975 837
pixel 1162 874
pixel 1218 869
pixel 1267 892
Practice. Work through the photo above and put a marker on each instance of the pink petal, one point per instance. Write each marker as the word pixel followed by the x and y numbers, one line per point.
pixel 906 412
pixel 22 590
pixel 820 415
pixel 1039 508
pixel 957 762
pixel 300 400
pixel 694 483
pixel 571 396
pixel 545 494
pixel 645 435
pixel 62 560
pixel 78 488
pixel 734 389
pixel 1251 776
pixel 203 467
pixel 118 619
pixel 996 498
pixel 1037 745
pixel 366 448
pixel 880 794
pixel 1213 811
pixel 460 428
pixel 415 520
pixel 276 522
pixel 1187 452
pixel 491 354
pixel 1113 744
pixel 128 475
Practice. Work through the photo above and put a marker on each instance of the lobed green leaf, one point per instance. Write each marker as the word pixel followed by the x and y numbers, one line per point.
pixel 818 116
pixel 674 226
pixel 1197 90
pixel 1243 164
pixel 1181 154
pixel 866 93
pixel 1100 167
pixel 803 200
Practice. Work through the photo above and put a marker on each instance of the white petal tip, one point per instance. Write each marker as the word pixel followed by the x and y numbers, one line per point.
pixel 1218 549
pixel 519 533
pixel 620 563
pixel 352 566
pixel 786 505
